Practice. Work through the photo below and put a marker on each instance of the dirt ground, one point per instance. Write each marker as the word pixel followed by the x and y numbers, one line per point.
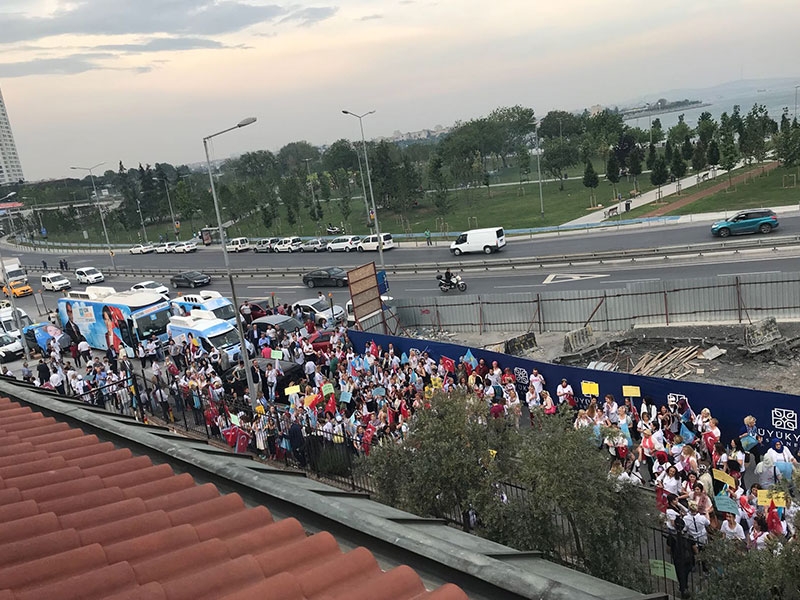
pixel 772 370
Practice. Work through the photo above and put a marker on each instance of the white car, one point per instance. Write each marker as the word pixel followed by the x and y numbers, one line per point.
pixel 55 282
pixel 319 311
pixel 345 243
pixel 165 248
pixel 89 275
pixel 184 247
pixel 142 249
pixel 370 243
pixel 10 347
pixel 290 244
pixel 151 286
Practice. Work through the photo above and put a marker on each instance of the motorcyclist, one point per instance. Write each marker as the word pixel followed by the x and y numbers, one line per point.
pixel 448 277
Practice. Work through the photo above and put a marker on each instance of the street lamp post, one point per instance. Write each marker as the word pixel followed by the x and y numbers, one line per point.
pixel 795 102
pixel 369 180
pixel 141 219
pixel 171 212
pixel 363 185
pixel 90 170
pixel 239 328
pixel 539 169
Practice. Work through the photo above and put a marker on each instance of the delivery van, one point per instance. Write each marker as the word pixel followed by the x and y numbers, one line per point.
pixel 486 240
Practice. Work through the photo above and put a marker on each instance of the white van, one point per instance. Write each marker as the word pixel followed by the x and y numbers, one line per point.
pixel 290 244
pixel 55 282
pixel 486 240
pixel 370 243
pixel 8 323
pixel 240 244
pixel 89 275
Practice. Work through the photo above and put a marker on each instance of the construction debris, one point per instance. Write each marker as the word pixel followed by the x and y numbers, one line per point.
pixel 673 364
pixel 713 352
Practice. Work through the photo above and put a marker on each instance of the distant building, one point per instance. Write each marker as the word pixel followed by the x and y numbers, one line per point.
pixel 10 168
pixel 595 110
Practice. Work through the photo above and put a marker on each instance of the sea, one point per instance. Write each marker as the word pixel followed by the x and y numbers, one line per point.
pixel 776 98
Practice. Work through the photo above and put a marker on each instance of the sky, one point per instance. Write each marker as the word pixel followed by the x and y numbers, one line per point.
pixel 90 81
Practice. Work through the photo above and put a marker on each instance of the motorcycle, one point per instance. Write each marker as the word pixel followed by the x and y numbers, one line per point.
pixel 455 283
pixel 332 230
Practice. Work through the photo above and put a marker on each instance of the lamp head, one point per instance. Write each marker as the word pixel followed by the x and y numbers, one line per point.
pixel 246 122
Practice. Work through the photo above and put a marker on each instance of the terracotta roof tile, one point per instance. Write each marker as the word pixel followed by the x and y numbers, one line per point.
pixel 86 520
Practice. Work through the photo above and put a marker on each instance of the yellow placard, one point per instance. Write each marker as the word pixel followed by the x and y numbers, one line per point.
pixel 492 453
pixel 765 497
pixel 308 400
pixel 631 391
pixel 294 389
pixel 590 388
pixel 723 477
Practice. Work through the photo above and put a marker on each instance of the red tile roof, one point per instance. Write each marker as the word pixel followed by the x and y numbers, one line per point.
pixel 83 519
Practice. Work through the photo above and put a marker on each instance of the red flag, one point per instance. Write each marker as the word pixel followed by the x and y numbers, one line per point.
pixel 404 410
pixel 330 407
pixel 353 372
pixel 242 441
pixel 774 519
pixel 317 399
pixel 373 349
pixel 661 499
pixel 468 368
pixel 366 441
pixel 391 415
pixel 448 364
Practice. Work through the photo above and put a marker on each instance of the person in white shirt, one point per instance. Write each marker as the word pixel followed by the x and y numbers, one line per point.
pixel 670 481
pixel 731 529
pixel 537 381
pixel 564 391
pixel 696 524
pixel 780 453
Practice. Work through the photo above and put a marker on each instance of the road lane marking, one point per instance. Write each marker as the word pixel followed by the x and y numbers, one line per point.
pixel 755 273
pixel 421 289
pixel 276 287
pixel 566 277
pixel 633 280
pixel 511 287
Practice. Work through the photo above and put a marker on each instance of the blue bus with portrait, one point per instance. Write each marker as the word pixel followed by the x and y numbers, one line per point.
pixel 106 318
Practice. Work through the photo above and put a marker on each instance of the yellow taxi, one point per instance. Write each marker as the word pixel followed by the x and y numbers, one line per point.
pixel 19 289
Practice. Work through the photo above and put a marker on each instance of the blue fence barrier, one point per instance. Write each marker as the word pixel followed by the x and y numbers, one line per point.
pixel 776 414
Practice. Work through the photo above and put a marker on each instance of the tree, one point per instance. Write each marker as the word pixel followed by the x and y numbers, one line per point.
pixel 515 124
pixel 560 123
pixel 651 156
pixel 713 153
pixel 409 184
pixel 325 186
pixel 729 154
pixel 291 158
pixel 687 149
pixel 612 172
pixel 757 127
pixel 524 165
pixel 441 195
pixel 291 192
pixel 678 165
pixel 698 157
pixel 660 173
pixel 787 146
pixel 558 156
pixel 591 181
pixel 706 128
pixel 635 166
pixel 668 152
pixel 384 175
pixel 679 132
pixel 341 155
pixel 656 130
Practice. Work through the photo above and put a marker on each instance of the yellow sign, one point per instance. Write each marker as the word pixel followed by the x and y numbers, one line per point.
pixel 765 497
pixel 492 453
pixel 631 391
pixel 723 477
pixel 590 388
pixel 295 389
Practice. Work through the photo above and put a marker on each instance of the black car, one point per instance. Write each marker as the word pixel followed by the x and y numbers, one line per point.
pixel 189 279
pixel 331 276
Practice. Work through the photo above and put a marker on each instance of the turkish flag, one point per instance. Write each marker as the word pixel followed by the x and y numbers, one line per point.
pixel 366 441
pixel 449 364
pixel 373 349
pixel 774 520
pixel 330 407
pixel 404 410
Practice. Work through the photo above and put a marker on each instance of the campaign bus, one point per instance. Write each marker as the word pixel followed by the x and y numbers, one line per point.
pixel 107 318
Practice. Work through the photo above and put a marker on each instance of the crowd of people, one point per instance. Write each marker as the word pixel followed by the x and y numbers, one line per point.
pixel 361 397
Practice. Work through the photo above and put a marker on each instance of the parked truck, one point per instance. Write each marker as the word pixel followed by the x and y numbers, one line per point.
pixel 13 271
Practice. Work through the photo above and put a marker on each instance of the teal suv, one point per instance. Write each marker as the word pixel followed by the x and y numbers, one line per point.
pixel 760 220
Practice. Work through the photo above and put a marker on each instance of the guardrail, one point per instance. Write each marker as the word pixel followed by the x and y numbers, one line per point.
pixel 609 256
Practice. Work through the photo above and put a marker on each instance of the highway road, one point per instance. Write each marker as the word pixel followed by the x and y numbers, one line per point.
pixel 502 280
pixel 567 243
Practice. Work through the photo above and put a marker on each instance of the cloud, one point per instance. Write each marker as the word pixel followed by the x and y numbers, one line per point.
pixel 123 17
pixel 164 45
pixel 370 17
pixel 68 65
pixel 307 17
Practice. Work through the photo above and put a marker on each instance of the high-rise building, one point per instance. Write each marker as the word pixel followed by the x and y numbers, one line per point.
pixel 10 169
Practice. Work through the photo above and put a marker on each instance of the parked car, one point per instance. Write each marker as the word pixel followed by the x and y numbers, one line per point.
pixel 184 247
pixel 328 276
pixel 313 245
pixel 761 220
pixel 258 308
pixel 89 275
pixel 320 311
pixel 151 286
pixel 345 243
pixel 290 244
pixel 10 347
pixel 55 282
pixel 165 248
pixel 19 289
pixel 370 243
pixel 189 279
pixel 240 244
pixel 265 244
pixel 142 249
pixel 285 322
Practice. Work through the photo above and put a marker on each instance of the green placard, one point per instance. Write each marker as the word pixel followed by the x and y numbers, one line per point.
pixel 662 568
pixel 327 389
